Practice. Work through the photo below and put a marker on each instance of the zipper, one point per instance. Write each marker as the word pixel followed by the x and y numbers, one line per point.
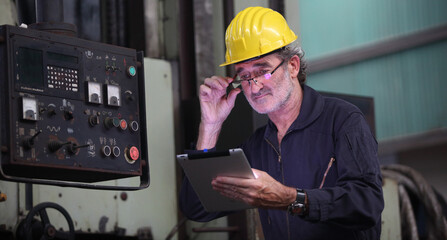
pixel 331 161
pixel 282 175
pixel 277 153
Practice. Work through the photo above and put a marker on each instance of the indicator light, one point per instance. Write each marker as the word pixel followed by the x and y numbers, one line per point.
pixel 131 71
pixel 123 124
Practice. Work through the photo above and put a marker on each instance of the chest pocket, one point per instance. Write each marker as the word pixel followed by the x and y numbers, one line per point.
pixel 306 156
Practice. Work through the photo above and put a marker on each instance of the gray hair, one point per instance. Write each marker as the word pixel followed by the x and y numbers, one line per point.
pixel 287 52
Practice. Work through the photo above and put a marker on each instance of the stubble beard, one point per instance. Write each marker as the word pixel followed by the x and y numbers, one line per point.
pixel 280 97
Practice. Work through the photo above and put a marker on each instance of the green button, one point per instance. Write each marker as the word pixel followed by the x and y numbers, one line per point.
pixel 116 122
pixel 131 71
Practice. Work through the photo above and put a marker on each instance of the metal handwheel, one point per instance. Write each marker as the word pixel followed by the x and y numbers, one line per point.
pixel 43 230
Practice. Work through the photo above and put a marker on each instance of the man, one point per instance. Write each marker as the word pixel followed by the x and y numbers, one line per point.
pixel 316 163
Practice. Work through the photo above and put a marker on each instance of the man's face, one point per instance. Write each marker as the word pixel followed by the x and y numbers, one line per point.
pixel 266 95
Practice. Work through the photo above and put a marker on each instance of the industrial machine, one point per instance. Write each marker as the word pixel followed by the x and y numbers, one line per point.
pixel 72 114
pixel 72 110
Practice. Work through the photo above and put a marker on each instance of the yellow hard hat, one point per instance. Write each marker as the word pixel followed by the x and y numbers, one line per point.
pixel 255 31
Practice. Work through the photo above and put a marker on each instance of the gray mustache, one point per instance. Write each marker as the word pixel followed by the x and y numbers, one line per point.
pixel 261 92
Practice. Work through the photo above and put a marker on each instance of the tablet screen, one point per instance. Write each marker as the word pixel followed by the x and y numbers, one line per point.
pixel 201 168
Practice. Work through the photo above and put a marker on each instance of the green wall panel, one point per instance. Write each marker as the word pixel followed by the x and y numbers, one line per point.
pixel 328 26
pixel 409 88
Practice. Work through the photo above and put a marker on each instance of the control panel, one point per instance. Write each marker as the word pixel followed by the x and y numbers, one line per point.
pixel 71 109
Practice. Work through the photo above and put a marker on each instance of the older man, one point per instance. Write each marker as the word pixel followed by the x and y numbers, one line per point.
pixel 316 164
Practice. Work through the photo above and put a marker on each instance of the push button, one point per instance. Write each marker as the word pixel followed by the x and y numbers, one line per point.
pixel 132 154
pixel 123 124
pixel 131 71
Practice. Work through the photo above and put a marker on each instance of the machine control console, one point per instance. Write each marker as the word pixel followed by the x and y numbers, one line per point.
pixel 71 109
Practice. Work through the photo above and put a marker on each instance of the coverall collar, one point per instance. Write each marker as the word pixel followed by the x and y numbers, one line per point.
pixel 311 108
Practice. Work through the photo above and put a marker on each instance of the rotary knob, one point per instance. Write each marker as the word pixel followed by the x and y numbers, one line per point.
pixel 111 122
pixel 93 120
pixel 68 114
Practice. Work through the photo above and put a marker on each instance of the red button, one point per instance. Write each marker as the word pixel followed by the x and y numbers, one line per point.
pixel 123 124
pixel 134 153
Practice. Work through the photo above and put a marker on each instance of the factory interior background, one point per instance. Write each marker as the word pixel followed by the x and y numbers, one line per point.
pixel 387 57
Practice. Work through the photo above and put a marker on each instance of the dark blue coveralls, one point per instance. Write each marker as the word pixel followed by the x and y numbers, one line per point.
pixel 350 202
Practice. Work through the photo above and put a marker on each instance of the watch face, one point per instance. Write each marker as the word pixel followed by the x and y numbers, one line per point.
pixel 298 208
pixel 297 211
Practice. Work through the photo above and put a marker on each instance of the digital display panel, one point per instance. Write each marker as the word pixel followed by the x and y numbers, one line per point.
pixel 62 57
pixel 30 67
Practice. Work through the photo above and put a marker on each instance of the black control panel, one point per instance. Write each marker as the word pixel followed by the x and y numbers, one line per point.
pixel 71 109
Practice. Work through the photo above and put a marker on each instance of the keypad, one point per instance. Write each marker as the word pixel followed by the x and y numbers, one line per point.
pixel 63 78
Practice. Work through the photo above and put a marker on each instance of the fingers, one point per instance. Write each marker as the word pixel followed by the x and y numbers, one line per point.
pixel 230 191
pixel 218 83
pixel 236 192
pixel 242 182
pixel 232 95
pixel 215 104
pixel 232 181
pixel 263 191
pixel 205 92
pixel 215 88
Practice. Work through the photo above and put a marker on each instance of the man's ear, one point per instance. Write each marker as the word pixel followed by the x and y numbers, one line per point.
pixel 294 66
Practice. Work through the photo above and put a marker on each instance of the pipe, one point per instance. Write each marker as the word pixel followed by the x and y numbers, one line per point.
pixel 49 11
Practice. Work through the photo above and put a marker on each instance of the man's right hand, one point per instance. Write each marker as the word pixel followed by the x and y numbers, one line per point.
pixel 215 107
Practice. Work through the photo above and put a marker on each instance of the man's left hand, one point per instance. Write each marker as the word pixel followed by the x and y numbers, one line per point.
pixel 262 191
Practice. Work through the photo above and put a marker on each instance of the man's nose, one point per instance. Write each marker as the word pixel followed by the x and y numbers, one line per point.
pixel 256 86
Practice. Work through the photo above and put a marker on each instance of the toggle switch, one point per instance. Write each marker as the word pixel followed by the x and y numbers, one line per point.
pixel 54 145
pixel 28 142
pixel 73 148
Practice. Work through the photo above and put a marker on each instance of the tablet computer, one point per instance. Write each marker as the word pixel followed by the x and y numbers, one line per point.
pixel 201 168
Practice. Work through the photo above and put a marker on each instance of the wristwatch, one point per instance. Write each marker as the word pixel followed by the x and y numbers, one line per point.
pixel 298 208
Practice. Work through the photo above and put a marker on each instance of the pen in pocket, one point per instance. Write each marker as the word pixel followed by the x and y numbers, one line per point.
pixel 331 161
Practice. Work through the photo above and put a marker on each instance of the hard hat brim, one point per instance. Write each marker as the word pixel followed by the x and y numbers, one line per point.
pixel 255 57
